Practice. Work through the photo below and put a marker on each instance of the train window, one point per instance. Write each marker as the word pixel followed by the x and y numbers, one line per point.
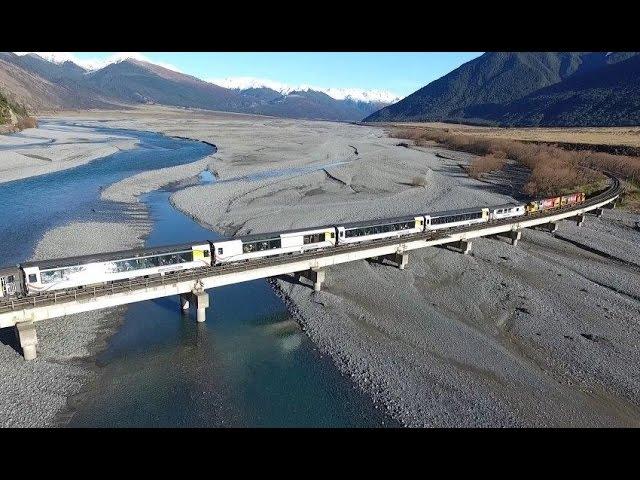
pixel 33 278
pixel 314 238
pixel 206 253
pixel 10 279
pixel 154 261
pixel 333 235
pixel 220 250
pixel 261 245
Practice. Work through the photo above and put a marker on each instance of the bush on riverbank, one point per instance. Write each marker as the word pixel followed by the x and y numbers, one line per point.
pixel 553 169
pixel 27 122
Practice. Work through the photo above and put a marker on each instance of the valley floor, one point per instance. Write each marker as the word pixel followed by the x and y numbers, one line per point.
pixel 543 334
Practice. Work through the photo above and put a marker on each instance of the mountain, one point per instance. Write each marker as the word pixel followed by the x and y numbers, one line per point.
pixel 478 89
pixel 40 84
pixel 310 104
pixel 605 96
pixel 134 81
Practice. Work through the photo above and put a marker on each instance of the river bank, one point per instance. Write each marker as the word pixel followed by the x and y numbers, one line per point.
pixel 38 151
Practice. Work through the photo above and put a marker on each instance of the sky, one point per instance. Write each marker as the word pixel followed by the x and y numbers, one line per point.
pixel 398 74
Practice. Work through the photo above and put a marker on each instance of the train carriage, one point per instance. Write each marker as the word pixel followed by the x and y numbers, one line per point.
pixel 356 232
pixel 572 198
pixel 58 274
pixel 11 281
pixel 507 210
pixel 548 203
pixel 455 218
pixel 262 245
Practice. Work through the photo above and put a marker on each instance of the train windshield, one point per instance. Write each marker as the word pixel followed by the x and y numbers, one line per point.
pixel 376 229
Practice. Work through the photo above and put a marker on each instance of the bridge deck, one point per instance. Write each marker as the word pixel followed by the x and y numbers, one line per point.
pixel 56 304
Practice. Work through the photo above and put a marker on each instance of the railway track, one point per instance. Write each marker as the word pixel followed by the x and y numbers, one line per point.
pixel 43 299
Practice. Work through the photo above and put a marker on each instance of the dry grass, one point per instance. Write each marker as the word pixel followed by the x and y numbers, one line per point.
pixel 625 136
pixel 630 197
pixel 26 122
pixel 554 170
pixel 485 164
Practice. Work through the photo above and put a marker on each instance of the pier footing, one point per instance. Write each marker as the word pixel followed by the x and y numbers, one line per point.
pixel 26 333
pixel 580 220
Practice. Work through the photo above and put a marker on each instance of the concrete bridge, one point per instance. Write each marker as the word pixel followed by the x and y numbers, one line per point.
pixel 191 285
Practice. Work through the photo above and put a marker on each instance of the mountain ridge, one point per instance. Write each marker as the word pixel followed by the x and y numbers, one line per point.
pixel 42 84
pixel 479 90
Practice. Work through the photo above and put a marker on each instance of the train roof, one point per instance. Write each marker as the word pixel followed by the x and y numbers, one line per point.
pixel 446 213
pixel 271 235
pixel 107 256
pixel 507 205
pixel 378 221
pixel 9 270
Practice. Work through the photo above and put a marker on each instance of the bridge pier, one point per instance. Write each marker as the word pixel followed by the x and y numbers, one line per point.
pixel 462 246
pixel 200 299
pixel 548 227
pixel 513 235
pixel 580 220
pixel 26 333
pixel 400 259
pixel 197 298
pixel 316 275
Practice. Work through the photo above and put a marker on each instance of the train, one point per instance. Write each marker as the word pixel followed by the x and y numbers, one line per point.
pixel 37 277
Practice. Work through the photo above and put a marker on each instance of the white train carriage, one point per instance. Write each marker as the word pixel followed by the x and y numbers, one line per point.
pixel 376 229
pixel 455 218
pixel 88 270
pixel 262 245
pixel 507 210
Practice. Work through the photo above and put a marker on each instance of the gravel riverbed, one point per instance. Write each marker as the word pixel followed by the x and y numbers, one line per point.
pixel 542 334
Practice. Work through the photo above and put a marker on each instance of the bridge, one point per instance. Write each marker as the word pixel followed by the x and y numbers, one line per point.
pixel 191 285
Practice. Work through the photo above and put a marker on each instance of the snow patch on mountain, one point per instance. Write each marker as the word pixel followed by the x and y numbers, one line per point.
pixel 355 94
pixel 93 64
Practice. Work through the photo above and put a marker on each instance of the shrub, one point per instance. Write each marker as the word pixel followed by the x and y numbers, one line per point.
pixel 27 122
pixel 484 164
pixel 420 181
pixel 553 169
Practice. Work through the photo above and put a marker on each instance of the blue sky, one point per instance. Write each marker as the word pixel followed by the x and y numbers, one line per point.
pixel 399 73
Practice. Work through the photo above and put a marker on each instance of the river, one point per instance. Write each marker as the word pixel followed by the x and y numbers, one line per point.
pixel 248 365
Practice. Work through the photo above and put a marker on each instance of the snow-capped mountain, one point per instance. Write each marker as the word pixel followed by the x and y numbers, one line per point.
pixel 51 80
pixel 355 94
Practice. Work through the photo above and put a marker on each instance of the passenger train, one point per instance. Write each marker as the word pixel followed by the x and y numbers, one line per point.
pixel 80 272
